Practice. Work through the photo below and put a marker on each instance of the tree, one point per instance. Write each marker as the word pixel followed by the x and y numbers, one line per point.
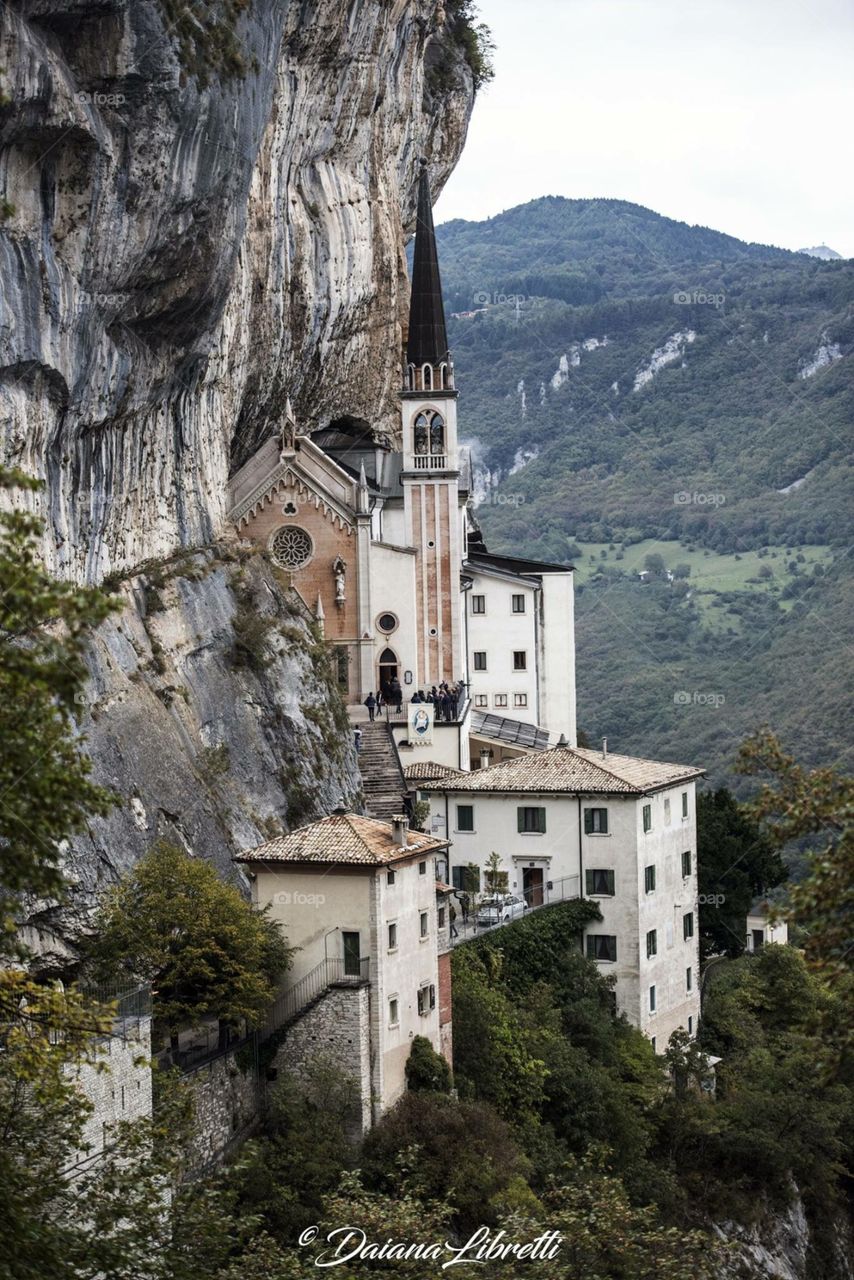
pixel 207 951
pixel 794 803
pixel 45 781
pixel 654 565
pixel 427 1070
pixel 736 862
pixel 682 570
pixel 496 879
pixel 461 1152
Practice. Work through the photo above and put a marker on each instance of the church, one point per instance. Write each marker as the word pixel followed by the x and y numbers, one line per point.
pixel 381 544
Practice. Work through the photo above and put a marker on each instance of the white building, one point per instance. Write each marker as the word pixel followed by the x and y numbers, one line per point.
pixel 571 822
pixel 761 929
pixel 520 627
pixel 375 536
pixel 358 899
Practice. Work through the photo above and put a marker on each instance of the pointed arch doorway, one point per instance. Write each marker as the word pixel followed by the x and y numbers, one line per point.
pixel 388 671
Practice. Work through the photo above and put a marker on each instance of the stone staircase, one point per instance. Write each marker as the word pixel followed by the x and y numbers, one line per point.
pixel 382 776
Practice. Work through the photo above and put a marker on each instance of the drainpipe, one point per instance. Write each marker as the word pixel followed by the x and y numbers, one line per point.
pixel 580 865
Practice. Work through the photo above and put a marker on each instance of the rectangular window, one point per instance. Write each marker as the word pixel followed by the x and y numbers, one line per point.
pixel 479 656
pixel 393 1013
pixel 601 946
pixel 440 917
pixel 425 920
pixel 689 977
pixel 389 878
pixel 531 820
pixel 649 879
pixel 520 699
pixel 652 999
pixel 647 817
pixel 684 804
pixel 426 999
pixel 652 1042
pixel 481 700
pixel 392 937
pixel 465 817
pixel 520 660
pixel 478 604
pixel 686 862
pixel 666 811
pixel 518 605
pixel 501 699
pixel 596 822
pixel 690 1025
pixel 651 944
pixel 599 883
pixel 466 879
pixel 422 868
pixel 688 926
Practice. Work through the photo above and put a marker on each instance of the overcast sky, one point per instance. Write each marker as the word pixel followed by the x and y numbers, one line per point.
pixel 736 114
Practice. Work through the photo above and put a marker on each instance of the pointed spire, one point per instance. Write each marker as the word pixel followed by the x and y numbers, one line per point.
pixel 428 339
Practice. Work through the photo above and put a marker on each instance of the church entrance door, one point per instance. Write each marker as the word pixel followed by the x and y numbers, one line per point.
pixel 388 672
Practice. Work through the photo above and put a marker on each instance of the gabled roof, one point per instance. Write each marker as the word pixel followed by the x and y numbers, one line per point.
pixel 572 769
pixel 343 838
pixel 429 769
pixel 479 556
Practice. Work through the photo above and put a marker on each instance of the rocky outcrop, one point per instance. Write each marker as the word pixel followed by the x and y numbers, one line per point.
pixel 204 220
pixel 788 1243
pixel 210 713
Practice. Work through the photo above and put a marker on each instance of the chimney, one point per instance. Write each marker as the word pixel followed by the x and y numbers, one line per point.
pixel 562 742
pixel 604 748
pixel 484 758
pixel 399 828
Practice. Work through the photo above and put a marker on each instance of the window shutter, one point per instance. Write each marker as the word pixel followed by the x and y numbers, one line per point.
pixel 589 882
pixel 588 822
pixel 520 819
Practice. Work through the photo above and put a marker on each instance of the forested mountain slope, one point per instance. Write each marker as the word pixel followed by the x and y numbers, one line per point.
pixel 648 387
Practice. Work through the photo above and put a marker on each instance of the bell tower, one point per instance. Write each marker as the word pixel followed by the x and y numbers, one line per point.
pixel 430 475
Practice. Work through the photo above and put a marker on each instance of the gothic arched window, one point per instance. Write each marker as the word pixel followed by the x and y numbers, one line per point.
pixel 437 434
pixel 422 433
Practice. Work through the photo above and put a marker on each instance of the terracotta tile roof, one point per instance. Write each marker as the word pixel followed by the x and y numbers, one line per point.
pixel 574 769
pixel 429 769
pixel 343 838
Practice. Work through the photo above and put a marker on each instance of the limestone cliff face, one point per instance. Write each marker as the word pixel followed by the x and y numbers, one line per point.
pixel 181 256
pixel 211 714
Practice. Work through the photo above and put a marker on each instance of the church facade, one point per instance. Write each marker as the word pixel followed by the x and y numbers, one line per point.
pixel 380 543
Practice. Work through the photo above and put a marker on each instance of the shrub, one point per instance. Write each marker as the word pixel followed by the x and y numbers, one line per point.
pixel 426 1070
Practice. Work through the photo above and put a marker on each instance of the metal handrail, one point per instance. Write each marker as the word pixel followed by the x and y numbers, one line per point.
pixel 331 972
pixel 567 889
pixel 393 717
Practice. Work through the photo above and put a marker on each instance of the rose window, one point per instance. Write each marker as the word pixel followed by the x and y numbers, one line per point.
pixel 291 548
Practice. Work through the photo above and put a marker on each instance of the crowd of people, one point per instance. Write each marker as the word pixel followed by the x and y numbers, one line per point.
pixel 445 699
